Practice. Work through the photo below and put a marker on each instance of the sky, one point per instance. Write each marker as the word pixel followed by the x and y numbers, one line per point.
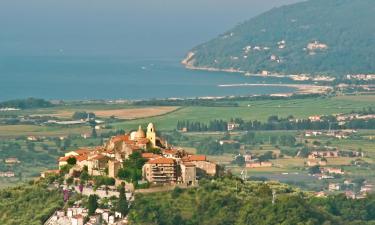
pixel 130 28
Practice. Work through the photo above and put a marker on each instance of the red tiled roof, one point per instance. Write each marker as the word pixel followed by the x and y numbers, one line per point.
pixel 98 157
pixel 120 138
pixel 197 158
pixel 143 141
pixel 169 151
pixel 149 155
pixel 81 158
pixel 82 151
pixel 161 161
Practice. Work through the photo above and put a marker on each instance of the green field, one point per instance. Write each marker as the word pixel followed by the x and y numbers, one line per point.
pixel 259 110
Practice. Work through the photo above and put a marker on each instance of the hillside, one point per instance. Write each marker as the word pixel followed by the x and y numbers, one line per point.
pixel 231 201
pixel 316 37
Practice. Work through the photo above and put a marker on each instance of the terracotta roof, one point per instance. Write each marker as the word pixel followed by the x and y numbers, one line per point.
pixel 98 157
pixel 142 141
pixel 161 161
pixel 149 155
pixel 120 138
pixel 197 158
pixel 81 158
pixel 169 151
pixel 82 151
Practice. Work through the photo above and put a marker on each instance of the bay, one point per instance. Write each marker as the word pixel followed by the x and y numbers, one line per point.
pixel 80 78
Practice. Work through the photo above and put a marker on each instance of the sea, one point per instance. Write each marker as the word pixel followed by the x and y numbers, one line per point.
pixel 110 78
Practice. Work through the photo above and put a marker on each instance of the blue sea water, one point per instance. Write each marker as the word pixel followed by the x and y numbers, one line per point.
pixel 77 78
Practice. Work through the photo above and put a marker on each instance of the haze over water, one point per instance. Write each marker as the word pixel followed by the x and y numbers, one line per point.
pixel 116 49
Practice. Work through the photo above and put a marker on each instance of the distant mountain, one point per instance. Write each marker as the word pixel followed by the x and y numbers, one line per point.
pixel 330 37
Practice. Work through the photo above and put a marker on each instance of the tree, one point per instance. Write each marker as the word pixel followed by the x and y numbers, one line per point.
pixel 72 161
pixel 122 204
pixel 239 160
pixel 92 204
pixel 314 170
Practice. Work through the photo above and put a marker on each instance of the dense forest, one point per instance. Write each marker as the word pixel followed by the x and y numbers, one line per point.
pixel 278 40
pixel 31 204
pixel 229 201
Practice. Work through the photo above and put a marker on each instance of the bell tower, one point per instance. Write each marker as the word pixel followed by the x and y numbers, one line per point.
pixel 151 134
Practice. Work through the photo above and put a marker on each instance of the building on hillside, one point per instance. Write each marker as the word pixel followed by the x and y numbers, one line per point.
pixel 203 166
pixel 315 118
pixel 333 170
pixel 232 126
pixel 188 173
pixel 334 187
pixel 47 173
pixel 12 161
pixel 323 154
pixel 160 170
pixel 7 174
pixel 164 164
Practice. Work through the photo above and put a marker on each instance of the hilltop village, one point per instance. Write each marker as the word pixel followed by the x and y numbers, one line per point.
pixel 164 164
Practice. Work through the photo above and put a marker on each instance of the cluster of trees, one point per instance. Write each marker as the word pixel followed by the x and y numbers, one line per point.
pixel 31 204
pixel 132 168
pixel 276 123
pixel 230 201
pixel 213 125
pixel 83 115
pixel 28 103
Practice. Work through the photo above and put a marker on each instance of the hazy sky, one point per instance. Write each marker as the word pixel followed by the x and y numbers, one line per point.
pixel 141 28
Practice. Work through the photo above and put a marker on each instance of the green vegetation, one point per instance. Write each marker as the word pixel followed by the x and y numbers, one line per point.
pixel 31 204
pixel 29 103
pixel 132 168
pixel 231 201
pixel 345 26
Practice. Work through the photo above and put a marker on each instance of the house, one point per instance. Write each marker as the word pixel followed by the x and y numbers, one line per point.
pixel 320 194
pixel 47 173
pixel 32 138
pixel 334 187
pixel 202 164
pixel 12 161
pixel 232 126
pixel 333 170
pixel 160 170
pixel 248 157
pixel 323 154
pixel 222 142
pixel 350 195
pixel 315 118
pixel 7 174
pixel 188 173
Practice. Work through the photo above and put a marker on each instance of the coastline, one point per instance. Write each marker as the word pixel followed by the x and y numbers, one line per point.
pixel 301 88
pixel 189 61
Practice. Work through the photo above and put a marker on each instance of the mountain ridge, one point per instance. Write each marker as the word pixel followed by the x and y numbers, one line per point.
pixel 314 37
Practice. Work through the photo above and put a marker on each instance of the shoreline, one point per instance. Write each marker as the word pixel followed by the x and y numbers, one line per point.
pixel 189 60
pixel 301 88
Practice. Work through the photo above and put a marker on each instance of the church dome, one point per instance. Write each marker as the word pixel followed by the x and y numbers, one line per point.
pixel 140 133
